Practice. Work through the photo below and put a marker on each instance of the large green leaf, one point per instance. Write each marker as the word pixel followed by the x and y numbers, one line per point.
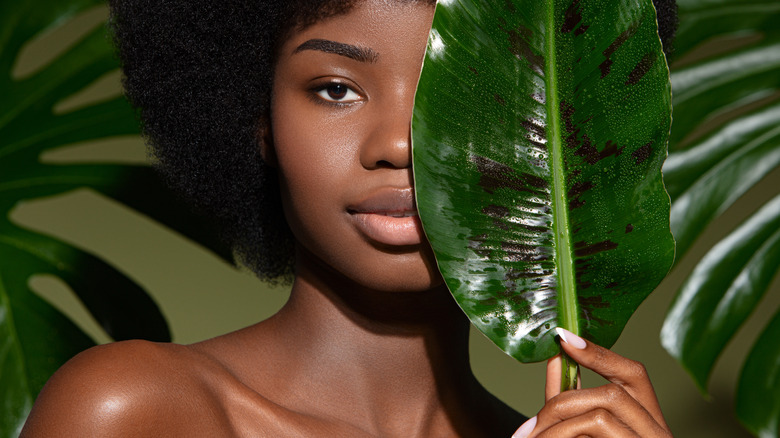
pixel 722 291
pixel 538 136
pixel 726 138
pixel 35 338
pixel 758 404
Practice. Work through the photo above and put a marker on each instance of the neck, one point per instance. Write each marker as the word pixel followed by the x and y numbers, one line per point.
pixel 376 352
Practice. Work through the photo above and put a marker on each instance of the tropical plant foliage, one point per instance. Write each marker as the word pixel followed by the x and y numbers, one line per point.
pixel 544 202
pixel 725 138
pixel 35 338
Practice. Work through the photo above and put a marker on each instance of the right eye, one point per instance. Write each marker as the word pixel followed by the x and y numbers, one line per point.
pixel 337 92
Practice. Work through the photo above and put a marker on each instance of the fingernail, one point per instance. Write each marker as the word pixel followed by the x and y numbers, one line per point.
pixel 526 429
pixel 570 338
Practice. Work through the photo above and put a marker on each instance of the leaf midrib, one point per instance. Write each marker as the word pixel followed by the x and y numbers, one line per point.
pixel 566 287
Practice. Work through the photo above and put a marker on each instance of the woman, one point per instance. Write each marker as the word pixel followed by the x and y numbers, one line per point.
pixel 316 97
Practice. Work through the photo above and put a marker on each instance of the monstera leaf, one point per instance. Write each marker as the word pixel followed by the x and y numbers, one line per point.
pixel 725 138
pixel 35 338
pixel 539 132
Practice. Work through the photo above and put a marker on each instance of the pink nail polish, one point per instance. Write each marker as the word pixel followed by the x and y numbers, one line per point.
pixel 526 429
pixel 570 338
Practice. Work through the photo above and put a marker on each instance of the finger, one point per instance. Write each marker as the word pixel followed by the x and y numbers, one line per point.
pixel 612 397
pixel 630 374
pixel 552 385
pixel 595 424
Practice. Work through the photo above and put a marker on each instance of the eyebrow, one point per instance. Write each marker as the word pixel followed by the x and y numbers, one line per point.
pixel 362 54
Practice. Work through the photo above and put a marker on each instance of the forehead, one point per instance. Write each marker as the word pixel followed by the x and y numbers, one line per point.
pixel 366 23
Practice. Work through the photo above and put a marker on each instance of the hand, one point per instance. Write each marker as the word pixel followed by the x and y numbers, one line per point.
pixel 626 407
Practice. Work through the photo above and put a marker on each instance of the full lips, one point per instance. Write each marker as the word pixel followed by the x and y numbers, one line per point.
pixel 388 216
pixel 396 231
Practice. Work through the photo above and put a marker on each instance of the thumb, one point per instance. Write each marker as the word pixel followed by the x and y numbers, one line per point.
pixel 552 386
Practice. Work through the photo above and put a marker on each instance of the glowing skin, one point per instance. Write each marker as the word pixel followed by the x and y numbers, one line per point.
pixel 340 120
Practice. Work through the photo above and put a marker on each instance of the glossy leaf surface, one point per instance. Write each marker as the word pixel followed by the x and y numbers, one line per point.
pixel 758 404
pixel 35 338
pixel 725 138
pixel 724 288
pixel 538 135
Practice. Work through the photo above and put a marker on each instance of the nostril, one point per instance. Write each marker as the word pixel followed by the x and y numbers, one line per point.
pixel 385 164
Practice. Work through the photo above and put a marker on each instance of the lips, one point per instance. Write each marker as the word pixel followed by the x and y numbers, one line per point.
pixel 388 216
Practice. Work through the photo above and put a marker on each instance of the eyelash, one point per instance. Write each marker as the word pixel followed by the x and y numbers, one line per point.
pixel 319 94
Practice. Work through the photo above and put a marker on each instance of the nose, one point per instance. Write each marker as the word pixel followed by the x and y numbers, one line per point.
pixel 389 144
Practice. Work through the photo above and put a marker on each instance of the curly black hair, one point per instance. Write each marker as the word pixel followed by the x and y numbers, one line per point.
pixel 200 73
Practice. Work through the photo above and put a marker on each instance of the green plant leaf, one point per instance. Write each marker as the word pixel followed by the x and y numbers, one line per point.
pixel 538 136
pixel 35 338
pixel 758 406
pixel 722 291
pixel 726 91
pixel 725 138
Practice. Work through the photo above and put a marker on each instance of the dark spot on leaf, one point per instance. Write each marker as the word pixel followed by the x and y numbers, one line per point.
pixel 518 46
pixel 567 116
pixel 496 175
pixel 571 17
pixel 611 285
pixel 629 228
pixel 593 302
pixel 514 274
pixel 584 285
pixel 588 151
pixel 519 252
pixel 535 181
pixel 597 247
pixel 509 6
pixel 473 70
pixel 501 121
pixel 534 229
pixel 538 145
pixel 477 244
pixel 499 99
pixel 533 127
pixel 580 244
pixel 643 153
pixel 581 30
pixel 497 223
pixel 592 155
pixel 495 210
pixel 575 191
pixel 606 65
pixel 611 149
pixel 641 69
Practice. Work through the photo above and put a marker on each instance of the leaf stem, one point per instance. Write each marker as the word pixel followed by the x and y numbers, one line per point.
pixel 567 287
pixel 569 372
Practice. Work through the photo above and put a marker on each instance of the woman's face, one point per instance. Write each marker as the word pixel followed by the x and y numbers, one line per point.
pixel 340 124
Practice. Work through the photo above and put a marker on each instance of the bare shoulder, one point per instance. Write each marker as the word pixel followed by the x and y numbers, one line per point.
pixel 131 388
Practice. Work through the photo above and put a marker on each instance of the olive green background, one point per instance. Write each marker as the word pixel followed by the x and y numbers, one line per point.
pixel 203 297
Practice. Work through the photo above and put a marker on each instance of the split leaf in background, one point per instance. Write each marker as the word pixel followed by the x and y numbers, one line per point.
pixel 725 139
pixel 35 338
pixel 539 132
